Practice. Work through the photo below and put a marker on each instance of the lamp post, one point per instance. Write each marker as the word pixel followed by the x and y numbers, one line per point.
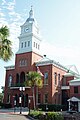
pixel 14 106
pixel 22 89
pixel 29 105
pixel 14 103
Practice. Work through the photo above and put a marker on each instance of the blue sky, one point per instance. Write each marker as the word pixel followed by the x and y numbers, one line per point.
pixel 59 23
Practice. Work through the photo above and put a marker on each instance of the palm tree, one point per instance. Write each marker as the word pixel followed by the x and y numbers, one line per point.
pixel 33 79
pixel 5 44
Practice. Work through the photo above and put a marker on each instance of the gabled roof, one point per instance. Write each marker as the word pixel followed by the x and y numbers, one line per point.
pixel 73 68
pixel 74 99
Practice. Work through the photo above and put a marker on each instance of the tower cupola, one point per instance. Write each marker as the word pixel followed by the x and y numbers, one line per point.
pixel 29 39
pixel 31 16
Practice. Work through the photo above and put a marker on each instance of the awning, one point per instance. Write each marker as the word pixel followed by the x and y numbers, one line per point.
pixel 74 99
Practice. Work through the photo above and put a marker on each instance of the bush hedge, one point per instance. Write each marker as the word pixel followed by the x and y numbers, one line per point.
pixel 54 116
pixel 47 116
pixel 8 105
pixel 36 114
pixel 52 107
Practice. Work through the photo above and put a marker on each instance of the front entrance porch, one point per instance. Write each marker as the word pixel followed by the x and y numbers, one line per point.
pixel 74 104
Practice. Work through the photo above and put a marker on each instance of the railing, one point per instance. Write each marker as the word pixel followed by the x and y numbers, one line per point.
pixel 17 85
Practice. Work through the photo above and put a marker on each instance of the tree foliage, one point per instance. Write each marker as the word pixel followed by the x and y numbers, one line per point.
pixel 5 44
pixel 33 79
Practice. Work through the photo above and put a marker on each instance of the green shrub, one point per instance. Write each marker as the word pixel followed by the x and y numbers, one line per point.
pixel 6 105
pixel 52 107
pixel 48 116
pixel 54 116
pixel 36 114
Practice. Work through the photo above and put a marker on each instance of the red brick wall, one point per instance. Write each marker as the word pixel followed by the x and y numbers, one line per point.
pixel 56 91
pixel 74 94
pixel 31 58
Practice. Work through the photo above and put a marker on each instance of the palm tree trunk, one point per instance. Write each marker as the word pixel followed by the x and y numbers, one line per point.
pixel 33 97
pixel 36 97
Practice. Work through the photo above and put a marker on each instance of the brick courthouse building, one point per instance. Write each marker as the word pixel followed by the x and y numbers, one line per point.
pixel 56 78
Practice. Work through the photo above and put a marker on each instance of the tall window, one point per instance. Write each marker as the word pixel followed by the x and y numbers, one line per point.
pixel 25 44
pixel 8 98
pixel 58 79
pixel 64 81
pixel 9 80
pixel 23 62
pixel 34 44
pixel 76 89
pixel 39 98
pixel 38 47
pixel 46 78
pixel 21 45
pixel 55 78
pixel 46 98
pixel 28 43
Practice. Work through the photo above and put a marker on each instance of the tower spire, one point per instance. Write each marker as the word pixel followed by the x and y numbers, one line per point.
pixel 31 13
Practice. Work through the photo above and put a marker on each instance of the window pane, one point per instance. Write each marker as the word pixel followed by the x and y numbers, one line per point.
pixel 75 89
pixel 9 80
pixel 55 78
pixel 8 98
pixel 25 44
pixel 22 45
pixel 34 44
pixel 28 43
pixel 58 79
pixel 38 47
pixel 64 81
pixel 46 78
pixel 46 98
pixel 39 98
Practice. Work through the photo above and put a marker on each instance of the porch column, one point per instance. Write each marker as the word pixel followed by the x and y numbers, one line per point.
pixel 69 106
pixel 79 106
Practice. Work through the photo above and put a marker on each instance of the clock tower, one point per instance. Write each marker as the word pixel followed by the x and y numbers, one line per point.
pixel 29 39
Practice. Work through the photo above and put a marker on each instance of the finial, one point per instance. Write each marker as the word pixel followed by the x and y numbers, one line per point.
pixel 31 7
pixel 31 14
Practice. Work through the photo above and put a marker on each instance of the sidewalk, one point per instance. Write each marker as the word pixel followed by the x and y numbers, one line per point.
pixel 15 110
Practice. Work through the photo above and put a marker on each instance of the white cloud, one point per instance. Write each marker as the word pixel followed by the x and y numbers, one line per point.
pixel 66 55
pixel 8 5
pixel 3 2
pixel 11 5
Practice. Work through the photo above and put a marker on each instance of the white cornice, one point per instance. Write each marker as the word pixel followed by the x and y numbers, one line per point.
pixel 9 67
pixel 30 34
pixel 42 63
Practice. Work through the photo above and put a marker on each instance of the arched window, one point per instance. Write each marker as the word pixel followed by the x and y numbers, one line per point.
pixel 9 80
pixel 22 77
pixel 46 78
pixel 17 78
